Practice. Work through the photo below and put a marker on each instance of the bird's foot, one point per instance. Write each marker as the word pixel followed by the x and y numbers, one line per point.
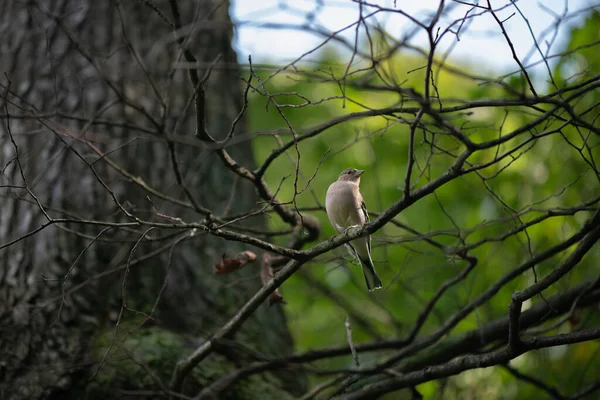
pixel 353 229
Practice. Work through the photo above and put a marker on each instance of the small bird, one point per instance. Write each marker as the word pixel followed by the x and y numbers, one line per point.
pixel 345 208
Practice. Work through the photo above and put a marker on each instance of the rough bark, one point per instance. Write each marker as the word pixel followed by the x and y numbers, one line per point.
pixel 72 79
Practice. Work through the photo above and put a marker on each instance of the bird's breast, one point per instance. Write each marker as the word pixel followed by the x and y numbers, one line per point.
pixel 341 205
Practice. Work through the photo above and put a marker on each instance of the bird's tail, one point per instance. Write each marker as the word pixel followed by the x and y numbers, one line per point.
pixel 371 277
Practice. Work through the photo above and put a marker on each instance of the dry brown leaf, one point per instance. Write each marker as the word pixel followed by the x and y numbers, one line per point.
pixel 229 265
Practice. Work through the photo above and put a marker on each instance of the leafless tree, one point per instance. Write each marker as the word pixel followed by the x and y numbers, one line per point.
pixel 132 225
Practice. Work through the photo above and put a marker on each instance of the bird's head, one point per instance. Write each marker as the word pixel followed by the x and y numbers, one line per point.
pixel 351 175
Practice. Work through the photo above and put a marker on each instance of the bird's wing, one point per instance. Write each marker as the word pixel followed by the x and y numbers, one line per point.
pixel 363 208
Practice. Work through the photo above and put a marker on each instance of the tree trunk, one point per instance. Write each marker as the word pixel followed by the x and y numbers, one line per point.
pixel 93 89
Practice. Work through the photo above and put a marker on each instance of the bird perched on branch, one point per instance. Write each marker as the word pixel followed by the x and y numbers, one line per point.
pixel 345 208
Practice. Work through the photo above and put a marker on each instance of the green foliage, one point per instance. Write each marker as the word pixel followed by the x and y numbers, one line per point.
pixel 550 170
pixel 582 59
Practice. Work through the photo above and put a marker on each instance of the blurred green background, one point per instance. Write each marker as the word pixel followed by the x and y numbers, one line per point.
pixel 549 172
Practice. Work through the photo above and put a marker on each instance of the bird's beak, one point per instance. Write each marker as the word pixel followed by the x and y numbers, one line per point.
pixel 359 172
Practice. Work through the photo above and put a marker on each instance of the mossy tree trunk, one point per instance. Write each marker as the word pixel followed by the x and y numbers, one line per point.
pixel 94 93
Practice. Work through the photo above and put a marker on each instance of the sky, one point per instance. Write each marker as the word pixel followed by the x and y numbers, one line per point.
pixel 259 31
